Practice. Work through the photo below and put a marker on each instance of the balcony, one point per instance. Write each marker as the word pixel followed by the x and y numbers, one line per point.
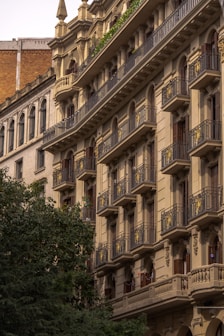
pixel 105 207
pixel 168 293
pixel 204 70
pixel 175 95
pixel 175 158
pixel 120 250
pixel 130 132
pixel 88 214
pixel 63 87
pixel 63 179
pixel 206 281
pixel 143 179
pixel 102 261
pixel 142 238
pixel 174 222
pixel 168 37
pixel 204 206
pixel 121 194
pixel 205 138
pixel 86 168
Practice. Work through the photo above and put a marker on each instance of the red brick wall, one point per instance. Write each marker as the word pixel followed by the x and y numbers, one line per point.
pixel 7 73
pixel 33 63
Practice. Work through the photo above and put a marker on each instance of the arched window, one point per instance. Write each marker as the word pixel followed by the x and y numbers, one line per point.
pixel 21 129
pixel 43 116
pixel 32 123
pixel 11 135
pixel 215 251
pixel 73 68
pixel 2 140
pixel 68 168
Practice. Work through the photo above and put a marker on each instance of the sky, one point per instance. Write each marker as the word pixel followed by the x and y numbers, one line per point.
pixel 32 18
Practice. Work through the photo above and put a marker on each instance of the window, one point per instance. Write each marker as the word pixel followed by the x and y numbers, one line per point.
pixel 215 251
pixel 43 115
pixel 2 140
pixel 32 123
pixel 11 136
pixel 40 158
pixel 21 129
pixel 19 169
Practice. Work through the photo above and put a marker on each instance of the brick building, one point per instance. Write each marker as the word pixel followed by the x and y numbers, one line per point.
pixel 21 61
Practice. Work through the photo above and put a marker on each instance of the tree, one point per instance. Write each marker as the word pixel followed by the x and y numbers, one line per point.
pixel 45 286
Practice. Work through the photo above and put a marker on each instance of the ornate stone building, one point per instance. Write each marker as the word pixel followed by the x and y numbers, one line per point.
pixel 136 137
pixel 23 119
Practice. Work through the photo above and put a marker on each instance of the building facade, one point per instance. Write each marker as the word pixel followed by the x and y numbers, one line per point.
pixel 21 61
pixel 135 136
pixel 23 119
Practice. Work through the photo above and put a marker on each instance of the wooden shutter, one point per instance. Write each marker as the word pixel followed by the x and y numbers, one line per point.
pixel 178 266
pixel 188 262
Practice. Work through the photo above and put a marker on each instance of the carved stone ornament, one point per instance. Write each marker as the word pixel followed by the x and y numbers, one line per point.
pixel 195 243
pixel 221 46
pixel 167 256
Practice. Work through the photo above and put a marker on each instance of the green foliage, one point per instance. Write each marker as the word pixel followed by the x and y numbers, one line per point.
pixel 45 287
pixel 134 5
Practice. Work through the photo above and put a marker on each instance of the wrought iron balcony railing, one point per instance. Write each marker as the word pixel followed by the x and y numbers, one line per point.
pixel 156 37
pixel 102 255
pixel 88 214
pixel 103 200
pixel 175 151
pixel 142 234
pixel 159 33
pixel 176 87
pixel 61 176
pixel 173 218
pixel 206 61
pixel 146 114
pixel 85 164
pixel 104 204
pixel 208 130
pixel 209 199
pixel 121 188
pixel 119 246
pixel 143 174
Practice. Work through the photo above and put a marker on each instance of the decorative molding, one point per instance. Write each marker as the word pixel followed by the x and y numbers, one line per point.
pixel 195 243
pixel 221 46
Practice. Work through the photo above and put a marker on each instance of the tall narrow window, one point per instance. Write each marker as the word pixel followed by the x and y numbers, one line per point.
pixel 40 158
pixel 21 129
pixel 133 117
pixel 2 140
pixel 11 135
pixel 43 116
pixel 19 169
pixel 114 132
pixel 215 251
pixel 32 123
